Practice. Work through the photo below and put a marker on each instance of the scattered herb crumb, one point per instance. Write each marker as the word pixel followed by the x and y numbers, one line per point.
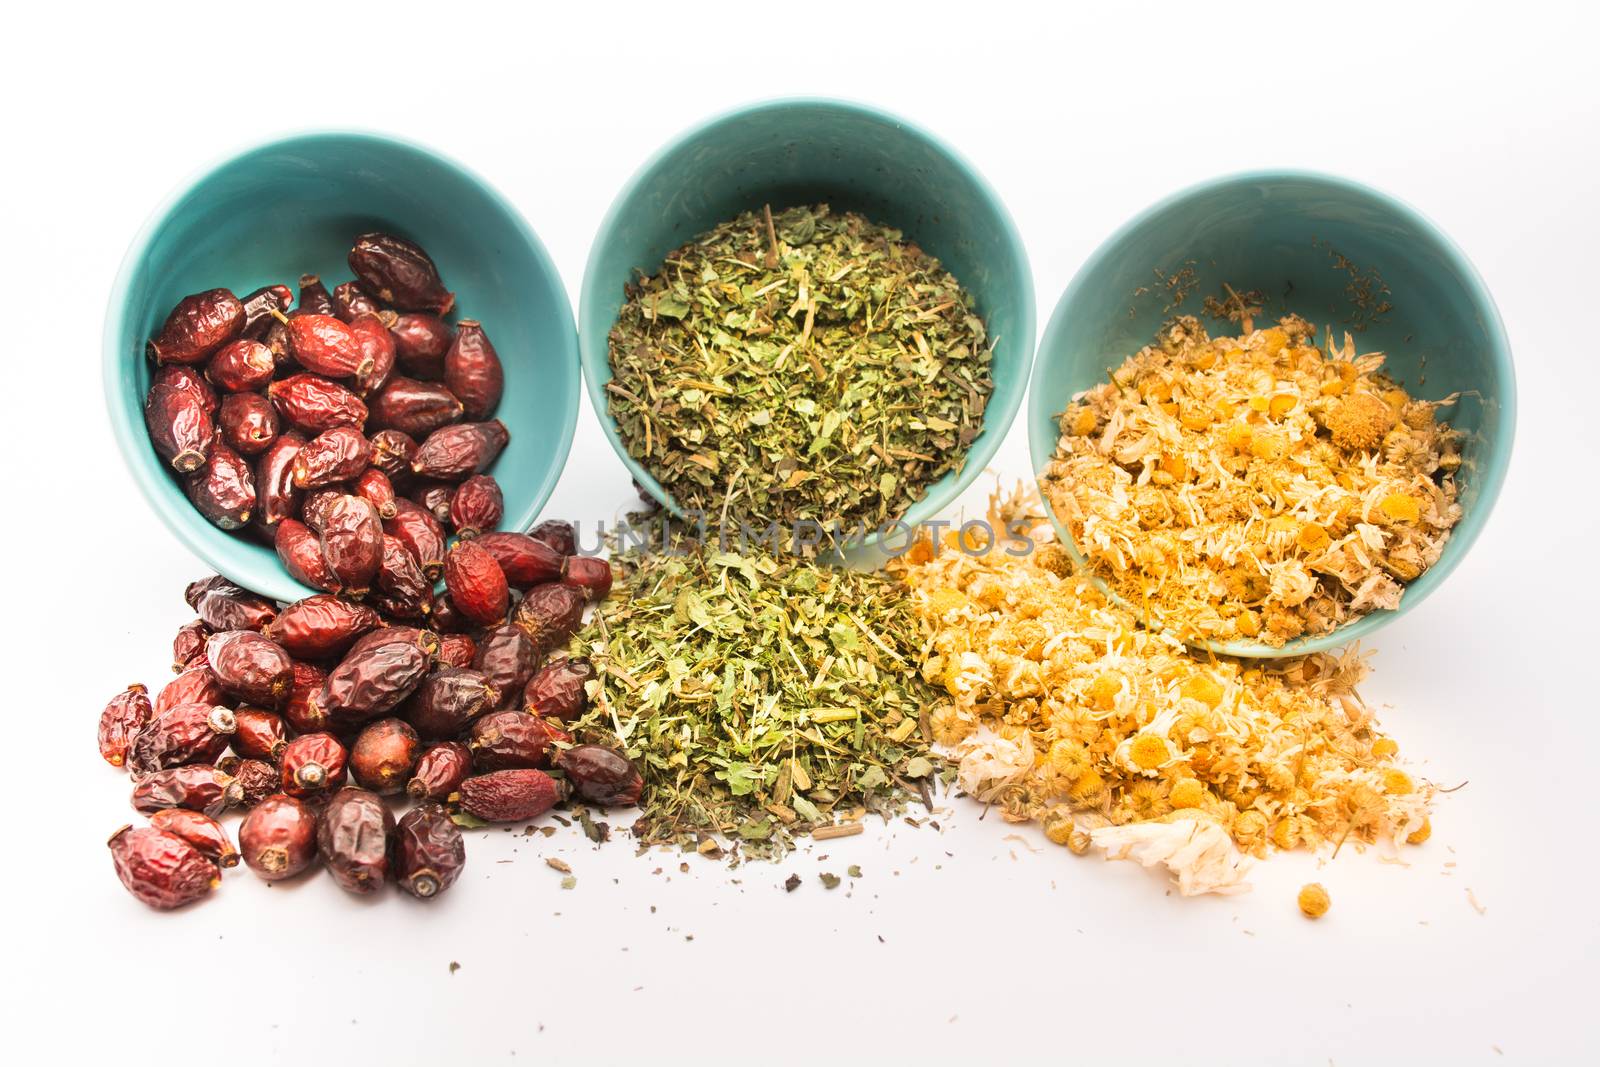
pixel 829 879
pixel 791 883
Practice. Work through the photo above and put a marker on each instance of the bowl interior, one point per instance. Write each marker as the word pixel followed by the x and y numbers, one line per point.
pixel 1337 253
pixel 293 206
pixel 787 153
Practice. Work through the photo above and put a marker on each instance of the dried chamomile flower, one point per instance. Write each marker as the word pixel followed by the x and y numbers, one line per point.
pixel 1256 487
pixel 1313 900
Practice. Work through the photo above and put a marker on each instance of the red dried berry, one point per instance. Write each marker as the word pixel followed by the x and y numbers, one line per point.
pixel 420 342
pixel 426 640
pixel 352 542
pixel 324 345
pixel 452 453
pixel 399 273
pixel 403 591
pixel 432 495
pixel 300 551
pixel 312 765
pixel 250 667
pixel 314 509
pixel 374 485
pixel 590 574
pixel 392 452
pixel 261 735
pixel 472 370
pixel 241 366
pixel 558 534
pixel 223 489
pixel 180 427
pixel 511 796
pixel 188 642
pixel 427 853
pixel 456 650
pixel 189 733
pixel 200 832
pixel 222 605
pixel 503 740
pixel 259 306
pixel 526 562
pixel 377 350
pixel 559 689
pixel 321 626
pixel 314 297
pixel 420 533
pixel 440 770
pixel 313 404
pixel 196 786
pixel 161 869
pixel 197 327
pixel 507 658
pixel 476 505
pixel 414 407
pixel 447 701
pixel 276 497
pixel 476 583
pixel 303 713
pixel 248 424
pixel 372 682
pixel 350 300
pixel 353 839
pixel 601 776
pixel 256 780
pixel 278 839
pixel 384 755
pixel 190 380
pixel 335 455
pixel 124 716
pixel 193 685
pixel 446 619
pixel 549 614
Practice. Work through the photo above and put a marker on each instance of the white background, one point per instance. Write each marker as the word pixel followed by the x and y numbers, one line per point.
pixel 980 943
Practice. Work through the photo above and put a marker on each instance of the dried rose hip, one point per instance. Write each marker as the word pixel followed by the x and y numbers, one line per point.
pixel 279 837
pixel 456 650
pixel 300 552
pixel 259 306
pixel 314 509
pixel 392 452
pixel 223 489
pixel 453 452
pixel 399 273
pixel 558 534
pixel 446 619
pixel 335 455
pixel 241 366
pixel 125 715
pixel 385 755
pixel 312 764
pixel 161 869
pixel 193 685
pixel 302 711
pixel 276 497
pixel 189 642
pixel 222 605
pixel 477 505
pixel 372 682
pixel 197 787
pixel 189 733
pixel 427 853
pixel 432 495
pixel 589 574
pixel 350 300
pixel 324 345
pixel 525 561
pixel 190 380
pixel 321 626
pixel 447 701
pixel 374 485
pixel 601 776
pixel 256 779
pixel 313 404
pixel 353 840
pixel 200 832
pixel 476 583
pixel 276 338
pixel 558 690
pixel 352 542
pixel 403 590
pixel 420 342
pixel 250 667
pixel 502 740
pixel 511 796
pixel 249 424
pixel 426 640
pixel 507 658
pixel 180 427
pixel 472 370
pixel 420 533
pixel 440 770
pixel 197 327
pixel 549 614
pixel 415 408
pixel 377 350
pixel 314 297
pixel 260 735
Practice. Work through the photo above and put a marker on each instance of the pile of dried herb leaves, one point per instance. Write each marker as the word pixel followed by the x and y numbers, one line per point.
pixel 806 366
pixel 763 698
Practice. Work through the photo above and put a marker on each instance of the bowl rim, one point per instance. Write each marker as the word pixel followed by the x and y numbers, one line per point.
pixel 1492 476
pixel 129 441
pixel 998 420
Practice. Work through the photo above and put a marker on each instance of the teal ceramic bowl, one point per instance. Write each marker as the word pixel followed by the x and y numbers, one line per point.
pixel 790 152
pixel 293 205
pixel 1281 233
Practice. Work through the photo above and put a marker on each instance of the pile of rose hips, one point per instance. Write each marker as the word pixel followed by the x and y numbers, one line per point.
pixel 312 444
pixel 274 709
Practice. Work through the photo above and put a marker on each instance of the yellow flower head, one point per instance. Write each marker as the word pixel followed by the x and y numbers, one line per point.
pixel 1149 751
pixel 1314 900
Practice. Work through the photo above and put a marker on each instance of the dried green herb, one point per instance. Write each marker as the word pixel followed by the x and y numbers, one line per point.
pixel 799 367
pixel 761 697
